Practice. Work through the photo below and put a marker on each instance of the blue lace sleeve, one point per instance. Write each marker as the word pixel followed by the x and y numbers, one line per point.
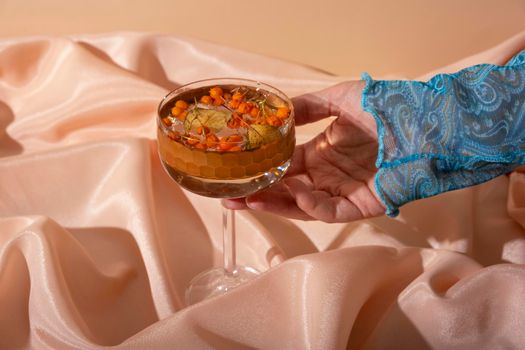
pixel 454 131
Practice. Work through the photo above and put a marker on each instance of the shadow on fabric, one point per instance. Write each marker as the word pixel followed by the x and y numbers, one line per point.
pixel 148 66
pixel 8 146
pixel 119 303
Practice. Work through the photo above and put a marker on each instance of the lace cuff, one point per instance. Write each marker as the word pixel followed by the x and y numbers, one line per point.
pixel 454 131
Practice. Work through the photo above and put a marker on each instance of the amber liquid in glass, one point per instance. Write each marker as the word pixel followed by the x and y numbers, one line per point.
pixel 223 174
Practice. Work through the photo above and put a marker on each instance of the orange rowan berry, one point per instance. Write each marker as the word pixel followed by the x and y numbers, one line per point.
pixel 234 104
pixel 234 138
pixel 235 149
pixel 176 111
pixel 219 101
pixel 211 140
pixel 201 146
pixel 274 121
pixel 283 112
pixel 255 112
pixel 235 121
pixel 237 96
pixel 182 115
pixel 224 145
pixel 206 100
pixel 181 104
pixel 166 121
pixel 243 108
pixel 216 92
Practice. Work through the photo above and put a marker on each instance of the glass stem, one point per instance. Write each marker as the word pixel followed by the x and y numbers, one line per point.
pixel 228 239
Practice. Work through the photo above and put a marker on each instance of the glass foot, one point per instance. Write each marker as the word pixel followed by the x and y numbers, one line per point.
pixel 216 281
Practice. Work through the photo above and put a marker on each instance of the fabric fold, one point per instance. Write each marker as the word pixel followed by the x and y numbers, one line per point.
pixel 97 243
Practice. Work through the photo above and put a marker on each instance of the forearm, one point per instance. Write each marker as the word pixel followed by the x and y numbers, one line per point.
pixel 455 131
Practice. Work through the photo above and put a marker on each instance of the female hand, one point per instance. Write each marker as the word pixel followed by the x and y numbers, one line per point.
pixel 331 177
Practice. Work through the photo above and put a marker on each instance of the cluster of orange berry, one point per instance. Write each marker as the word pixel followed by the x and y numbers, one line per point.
pixel 237 103
pixel 179 111
pixel 244 113
pixel 217 97
pixel 210 141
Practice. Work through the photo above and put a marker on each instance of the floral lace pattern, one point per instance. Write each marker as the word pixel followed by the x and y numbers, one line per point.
pixel 454 131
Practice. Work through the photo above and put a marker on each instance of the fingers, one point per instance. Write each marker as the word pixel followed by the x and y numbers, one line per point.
pixel 280 203
pixel 295 198
pixel 321 205
pixel 276 200
pixel 235 203
pixel 296 167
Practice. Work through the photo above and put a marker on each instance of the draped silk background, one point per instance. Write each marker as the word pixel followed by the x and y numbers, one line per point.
pixel 97 244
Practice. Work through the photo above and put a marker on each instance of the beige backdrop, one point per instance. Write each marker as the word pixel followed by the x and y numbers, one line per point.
pixel 345 37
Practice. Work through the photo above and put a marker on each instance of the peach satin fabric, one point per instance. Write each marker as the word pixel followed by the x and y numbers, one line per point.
pixel 97 244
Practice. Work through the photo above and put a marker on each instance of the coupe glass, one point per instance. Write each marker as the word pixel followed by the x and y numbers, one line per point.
pixel 225 138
